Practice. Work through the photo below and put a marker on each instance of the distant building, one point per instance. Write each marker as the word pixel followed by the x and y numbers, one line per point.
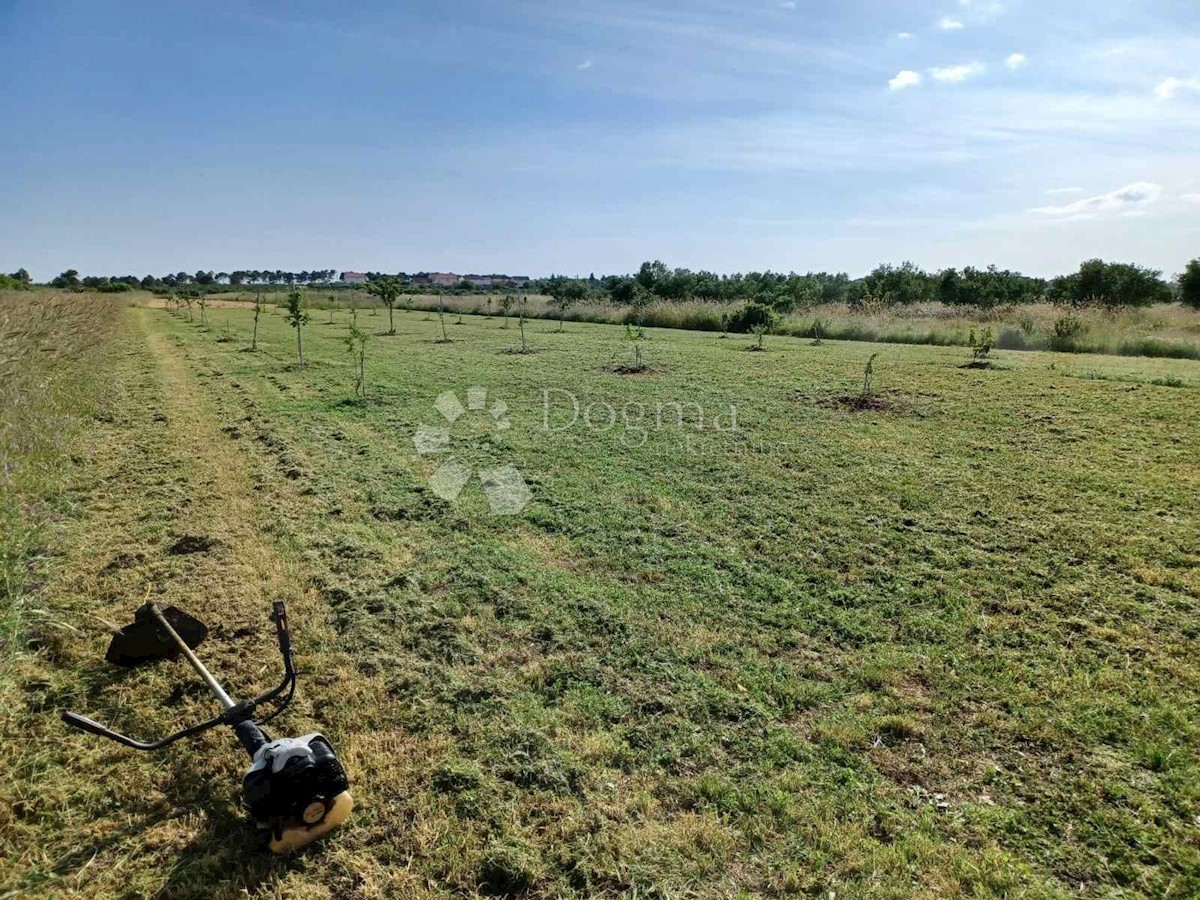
pixel 353 277
pixel 518 281
pixel 444 279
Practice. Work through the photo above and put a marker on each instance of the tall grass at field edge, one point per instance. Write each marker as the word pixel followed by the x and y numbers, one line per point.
pixel 1163 331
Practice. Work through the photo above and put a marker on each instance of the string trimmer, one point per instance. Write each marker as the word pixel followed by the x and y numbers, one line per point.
pixel 295 788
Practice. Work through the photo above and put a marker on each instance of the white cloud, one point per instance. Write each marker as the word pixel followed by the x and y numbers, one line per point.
pixel 904 35
pixel 586 64
pixel 1167 89
pixel 1192 198
pixel 955 74
pixel 1065 190
pixel 1129 200
pixel 904 79
pixel 787 4
pixel 949 23
pixel 1015 60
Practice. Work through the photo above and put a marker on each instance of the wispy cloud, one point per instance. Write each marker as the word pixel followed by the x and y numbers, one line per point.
pixel 955 74
pixel 1065 190
pixel 586 64
pixel 904 79
pixel 1015 60
pixel 1133 199
pixel 949 23
pixel 787 4
pixel 904 35
pixel 1192 198
pixel 1172 87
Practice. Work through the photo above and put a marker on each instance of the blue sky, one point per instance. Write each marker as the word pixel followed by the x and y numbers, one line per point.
pixel 540 136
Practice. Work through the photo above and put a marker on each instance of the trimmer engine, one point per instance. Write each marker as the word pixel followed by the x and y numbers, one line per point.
pixel 296 791
pixel 295 788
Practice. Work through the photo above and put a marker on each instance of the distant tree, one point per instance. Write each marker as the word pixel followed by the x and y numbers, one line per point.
pixel 1189 284
pixel 297 317
pixel 388 290
pixel 1109 286
pixel 651 273
pixel 356 343
pixel 521 322
pixel 948 284
pixel 565 292
pixel 22 276
pixel 904 285
pixel 68 279
pixel 258 308
pixel 624 290
pixel 237 278
pixel 442 319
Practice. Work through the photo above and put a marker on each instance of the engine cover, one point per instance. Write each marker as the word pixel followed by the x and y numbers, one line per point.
pixel 296 790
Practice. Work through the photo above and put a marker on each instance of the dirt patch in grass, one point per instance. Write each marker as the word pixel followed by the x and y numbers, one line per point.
pixel 123 561
pixel 643 369
pixel 517 351
pixel 892 401
pixel 192 543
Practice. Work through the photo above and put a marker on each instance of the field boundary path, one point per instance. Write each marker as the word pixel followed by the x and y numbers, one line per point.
pixel 174 504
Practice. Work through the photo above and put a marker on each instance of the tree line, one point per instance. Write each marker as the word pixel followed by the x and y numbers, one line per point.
pixel 70 279
pixel 1097 283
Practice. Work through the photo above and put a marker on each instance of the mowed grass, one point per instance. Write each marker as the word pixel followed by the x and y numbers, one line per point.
pixel 943 648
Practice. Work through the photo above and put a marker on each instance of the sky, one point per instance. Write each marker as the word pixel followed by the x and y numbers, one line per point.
pixel 578 136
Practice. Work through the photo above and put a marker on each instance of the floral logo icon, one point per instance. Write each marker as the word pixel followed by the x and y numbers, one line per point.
pixel 505 488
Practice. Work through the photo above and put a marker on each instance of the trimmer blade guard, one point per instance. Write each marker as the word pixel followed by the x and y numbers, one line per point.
pixel 145 641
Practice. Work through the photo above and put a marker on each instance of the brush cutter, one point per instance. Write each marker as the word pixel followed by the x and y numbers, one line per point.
pixel 295 788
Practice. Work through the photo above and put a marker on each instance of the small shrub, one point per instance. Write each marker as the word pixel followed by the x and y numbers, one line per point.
pixel 297 317
pixel 868 371
pixel 752 316
pixel 1068 330
pixel 981 346
pixel 1011 339
pixel 356 344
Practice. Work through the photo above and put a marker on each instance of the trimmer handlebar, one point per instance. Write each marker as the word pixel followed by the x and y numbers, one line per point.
pixel 240 712
pixel 83 723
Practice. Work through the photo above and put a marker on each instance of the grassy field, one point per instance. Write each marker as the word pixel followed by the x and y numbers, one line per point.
pixel 943 646
pixel 1165 330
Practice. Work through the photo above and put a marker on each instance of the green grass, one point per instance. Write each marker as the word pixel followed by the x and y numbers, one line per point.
pixel 942 648
pixel 1166 330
